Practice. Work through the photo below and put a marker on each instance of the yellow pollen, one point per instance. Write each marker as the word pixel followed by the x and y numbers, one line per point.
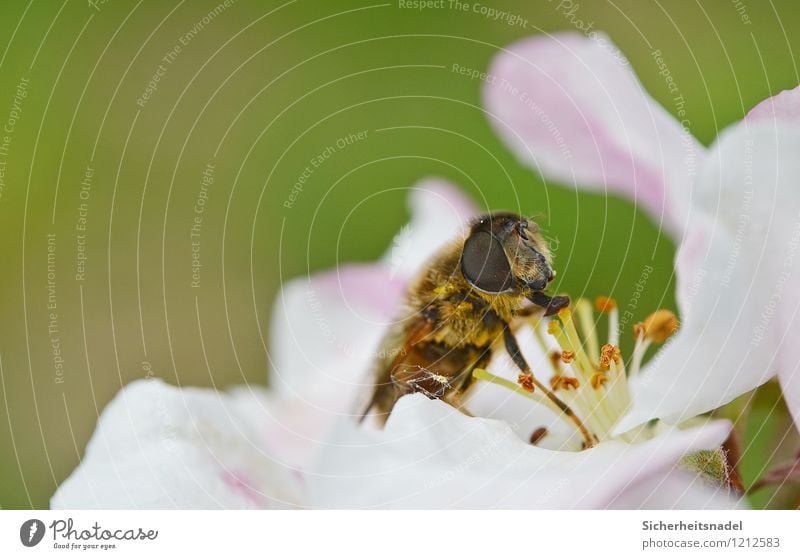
pixel 525 380
pixel 605 304
pixel 464 306
pixel 560 381
pixel 568 356
pixel 553 327
pixel 598 380
pixel 565 313
pixel 609 353
pixel 658 326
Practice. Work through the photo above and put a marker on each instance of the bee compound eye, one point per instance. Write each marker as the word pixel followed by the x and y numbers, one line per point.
pixel 484 263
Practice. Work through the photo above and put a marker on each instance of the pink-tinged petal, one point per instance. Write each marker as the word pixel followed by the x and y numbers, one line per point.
pixel 325 333
pixel 571 107
pixel 783 107
pixel 432 456
pixel 440 211
pixel 690 260
pixel 742 322
pixel 158 446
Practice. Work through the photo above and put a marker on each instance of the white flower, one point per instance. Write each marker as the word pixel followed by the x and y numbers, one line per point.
pixel 566 106
pixel 579 116
pixel 298 444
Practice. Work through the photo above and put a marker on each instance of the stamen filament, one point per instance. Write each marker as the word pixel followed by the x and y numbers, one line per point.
pixel 639 349
pixel 617 391
pixel 588 378
pixel 586 318
pixel 594 407
pixel 609 306
pixel 544 396
pixel 575 345
pixel 585 400
pixel 613 326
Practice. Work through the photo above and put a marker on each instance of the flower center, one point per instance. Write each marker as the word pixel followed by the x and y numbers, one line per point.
pixel 590 380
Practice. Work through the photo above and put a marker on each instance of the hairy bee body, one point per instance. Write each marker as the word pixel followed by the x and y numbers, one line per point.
pixel 446 333
pixel 458 308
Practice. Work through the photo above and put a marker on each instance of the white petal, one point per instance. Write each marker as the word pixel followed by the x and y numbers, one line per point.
pixel 678 489
pixel 439 213
pixel 326 330
pixel 783 107
pixel 431 456
pixel 157 446
pixel 741 283
pixel 571 107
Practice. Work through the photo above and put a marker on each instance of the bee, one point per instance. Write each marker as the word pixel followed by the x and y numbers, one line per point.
pixel 461 308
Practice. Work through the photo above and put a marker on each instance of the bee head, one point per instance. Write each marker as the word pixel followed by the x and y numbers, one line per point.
pixel 506 253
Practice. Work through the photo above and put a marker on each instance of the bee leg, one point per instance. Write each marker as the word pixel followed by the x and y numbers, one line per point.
pixel 526 312
pixel 464 382
pixel 519 360
pixel 454 399
pixel 551 305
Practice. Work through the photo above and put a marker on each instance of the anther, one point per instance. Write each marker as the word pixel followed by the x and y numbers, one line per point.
pixel 609 353
pixel 605 304
pixel 538 435
pixel 525 380
pixel 568 356
pixel 561 381
pixel 598 380
pixel 658 326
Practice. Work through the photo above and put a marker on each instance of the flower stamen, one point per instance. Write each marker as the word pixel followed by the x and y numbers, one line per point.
pixel 555 361
pixel 605 304
pixel 588 328
pixel 525 380
pixel 543 396
pixel 561 381
pixel 538 435
pixel 567 356
pixel 658 326
pixel 608 306
pixel 609 354
pixel 589 385
pixel 598 380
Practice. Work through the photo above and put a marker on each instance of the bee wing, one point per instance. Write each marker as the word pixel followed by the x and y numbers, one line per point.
pixel 416 378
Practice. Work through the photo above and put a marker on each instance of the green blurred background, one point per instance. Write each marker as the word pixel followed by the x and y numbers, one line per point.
pixel 262 88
